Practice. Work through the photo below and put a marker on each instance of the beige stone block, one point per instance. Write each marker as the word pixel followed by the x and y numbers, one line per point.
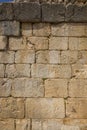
pixel 56 88
pixel 78 88
pixel 25 56
pixel 52 57
pixel 26 29
pixel 58 43
pixel 41 29
pixel 17 70
pixel 27 87
pixel 2 70
pixel 50 71
pixel 82 57
pixel 65 127
pixel 7 124
pixel 37 43
pixel 68 57
pixel 11 108
pixel 5 87
pixel 3 42
pixel 45 108
pixel 22 124
pixel 70 29
pixel 7 57
pixel 79 71
pixel 46 124
pixel 76 108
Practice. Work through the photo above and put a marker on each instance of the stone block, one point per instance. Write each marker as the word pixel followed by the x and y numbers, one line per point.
pixel 45 108
pixel 3 42
pixel 22 124
pixel 66 127
pixel 25 56
pixel 82 57
pixel 27 87
pixel 17 70
pixel 58 43
pixel 9 28
pixel 7 124
pixel 56 88
pixel 2 70
pixel 11 108
pixel 53 12
pixel 27 29
pixel 5 87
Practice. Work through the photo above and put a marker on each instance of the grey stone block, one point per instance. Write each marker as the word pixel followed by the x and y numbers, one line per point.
pixel 6 12
pixel 76 13
pixel 27 12
pixel 53 12
pixel 9 28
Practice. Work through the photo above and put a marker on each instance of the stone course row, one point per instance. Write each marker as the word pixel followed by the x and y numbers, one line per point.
pixel 35 12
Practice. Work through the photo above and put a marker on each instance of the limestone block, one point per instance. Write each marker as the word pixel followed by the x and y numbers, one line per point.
pixel 17 70
pixel 76 108
pixel 78 88
pixel 5 87
pixel 7 57
pixel 7 124
pixel 65 127
pixel 25 56
pixel 27 29
pixel 58 43
pixel 41 29
pixel 11 108
pixel 45 108
pixel 82 57
pixel 22 124
pixel 27 87
pixel 2 70
pixel 3 42
pixel 50 71
pixel 56 88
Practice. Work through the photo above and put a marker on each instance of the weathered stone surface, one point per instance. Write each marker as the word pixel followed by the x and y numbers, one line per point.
pixel 23 124
pixel 76 13
pixel 27 12
pixel 6 11
pixel 10 28
pixel 11 108
pixel 41 29
pixel 58 43
pixel 78 88
pixel 2 70
pixel 5 87
pixel 27 87
pixel 7 124
pixel 76 108
pixel 46 124
pixel 45 108
pixel 52 57
pixel 17 70
pixel 3 42
pixel 25 56
pixel 82 57
pixel 50 71
pixel 65 127
pixel 27 29
pixel 53 12
pixel 68 57
pixel 7 57
pixel 56 88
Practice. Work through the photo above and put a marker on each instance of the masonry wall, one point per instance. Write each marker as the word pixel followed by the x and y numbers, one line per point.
pixel 43 66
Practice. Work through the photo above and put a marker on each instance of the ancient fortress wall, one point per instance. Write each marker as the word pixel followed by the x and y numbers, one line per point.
pixel 43 66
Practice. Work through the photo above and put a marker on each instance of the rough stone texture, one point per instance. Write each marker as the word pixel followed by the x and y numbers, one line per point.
pixel 45 108
pixel 50 71
pixel 27 29
pixel 2 69
pixel 78 88
pixel 24 12
pixel 25 56
pixel 17 70
pixel 9 28
pixel 82 57
pixel 76 108
pixel 22 124
pixel 27 87
pixel 5 87
pixel 7 124
pixel 53 12
pixel 3 42
pixel 11 108
pixel 56 88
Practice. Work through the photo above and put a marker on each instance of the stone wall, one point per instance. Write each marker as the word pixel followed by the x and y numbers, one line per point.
pixel 43 66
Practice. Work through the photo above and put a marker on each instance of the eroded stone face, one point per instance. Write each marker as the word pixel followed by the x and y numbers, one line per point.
pixel 7 124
